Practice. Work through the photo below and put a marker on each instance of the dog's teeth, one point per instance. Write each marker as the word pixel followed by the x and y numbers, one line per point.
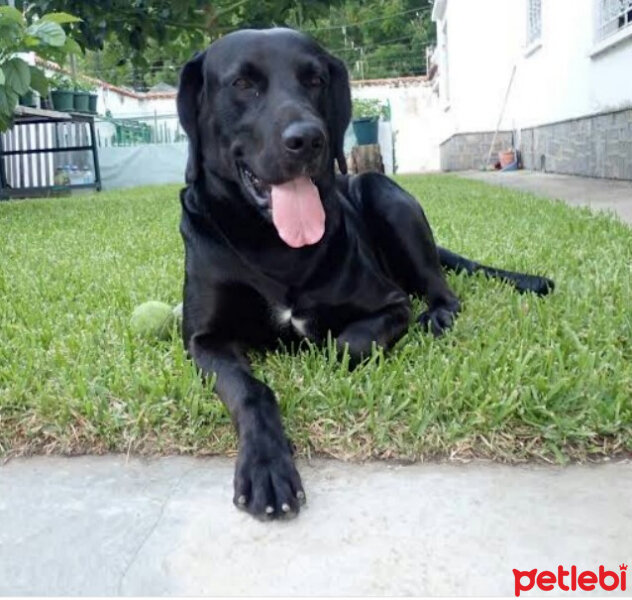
pixel 269 510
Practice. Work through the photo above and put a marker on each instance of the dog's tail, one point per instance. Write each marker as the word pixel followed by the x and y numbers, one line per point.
pixel 521 281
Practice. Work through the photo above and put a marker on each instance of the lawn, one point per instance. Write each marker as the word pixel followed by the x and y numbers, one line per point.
pixel 519 377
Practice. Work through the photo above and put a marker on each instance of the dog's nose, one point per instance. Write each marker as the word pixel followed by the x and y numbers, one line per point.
pixel 303 139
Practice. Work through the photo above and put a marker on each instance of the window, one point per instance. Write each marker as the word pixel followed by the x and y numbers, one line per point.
pixel 534 21
pixel 613 16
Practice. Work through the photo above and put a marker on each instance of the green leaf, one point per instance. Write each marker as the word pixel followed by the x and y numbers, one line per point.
pixel 50 33
pixel 60 18
pixel 8 13
pixel 4 104
pixel 39 82
pixel 8 102
pixel 2 77
pixel 5 123
pixel 31 41
pixel 17 76
pixel 71 46
pixel 10 33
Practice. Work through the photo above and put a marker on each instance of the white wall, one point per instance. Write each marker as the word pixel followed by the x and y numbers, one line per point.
pixel 561 80
pixel 556 81
pixel 414 118
pixel 125 106
pixel 482 48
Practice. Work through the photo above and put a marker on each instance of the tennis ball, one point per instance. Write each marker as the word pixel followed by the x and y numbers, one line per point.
pixel 177 313
pixel 153 320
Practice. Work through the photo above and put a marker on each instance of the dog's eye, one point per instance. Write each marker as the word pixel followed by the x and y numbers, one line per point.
pixel 241 83
pixel 315 81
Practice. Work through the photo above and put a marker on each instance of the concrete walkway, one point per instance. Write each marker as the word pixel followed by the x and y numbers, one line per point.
pixel 103 526
pixel 598 194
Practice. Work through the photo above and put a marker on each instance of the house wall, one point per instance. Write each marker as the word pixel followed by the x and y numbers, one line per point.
pixel 563 78
pixel 482 48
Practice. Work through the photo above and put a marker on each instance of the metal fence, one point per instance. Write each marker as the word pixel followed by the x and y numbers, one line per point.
pixel 138 130
pixel 39 155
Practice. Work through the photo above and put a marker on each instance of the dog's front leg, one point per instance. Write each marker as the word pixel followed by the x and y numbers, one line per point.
pixel 267 484
pixel 383 328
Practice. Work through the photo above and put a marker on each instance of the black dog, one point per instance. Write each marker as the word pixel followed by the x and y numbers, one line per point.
pixel 280 248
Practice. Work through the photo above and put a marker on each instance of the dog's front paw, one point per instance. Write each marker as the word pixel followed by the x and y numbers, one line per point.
pixel 267 484
pixel 440 318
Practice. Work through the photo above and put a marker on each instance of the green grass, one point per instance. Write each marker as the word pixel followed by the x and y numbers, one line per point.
pixel 519 377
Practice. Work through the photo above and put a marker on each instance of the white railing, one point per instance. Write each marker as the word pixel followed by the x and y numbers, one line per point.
pixel 534 21
pixel 613 15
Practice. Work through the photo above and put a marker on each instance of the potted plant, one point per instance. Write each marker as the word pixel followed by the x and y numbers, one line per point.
pixel 93 99
pixel 81 96
pixel 506 157
pixel 28 99
pixel 19 35
pixel 366 114
pixel 62 94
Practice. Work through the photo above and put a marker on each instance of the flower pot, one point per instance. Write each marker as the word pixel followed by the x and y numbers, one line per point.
pixel 506 158
pixel 92 103
pixel 62 100
pixel 28 99
pixel 81 101
pixel 365 130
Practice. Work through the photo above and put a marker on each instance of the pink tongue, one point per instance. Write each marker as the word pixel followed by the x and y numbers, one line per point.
pixel 297 212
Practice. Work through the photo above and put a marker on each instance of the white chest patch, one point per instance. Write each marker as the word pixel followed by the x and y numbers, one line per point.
pixel 284 317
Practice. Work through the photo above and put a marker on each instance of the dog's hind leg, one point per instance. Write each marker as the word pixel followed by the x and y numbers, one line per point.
pixel 405 245
pixel 521 281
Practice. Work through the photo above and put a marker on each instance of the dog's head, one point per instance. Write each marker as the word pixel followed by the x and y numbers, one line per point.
pixel 267 111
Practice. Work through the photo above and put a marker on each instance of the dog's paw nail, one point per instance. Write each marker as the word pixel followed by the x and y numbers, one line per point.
pixel 241 500
pixel 269 510
pixel 285 507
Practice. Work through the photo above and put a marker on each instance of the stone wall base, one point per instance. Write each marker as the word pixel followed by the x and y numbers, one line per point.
pixel 465 151
pixel 594 146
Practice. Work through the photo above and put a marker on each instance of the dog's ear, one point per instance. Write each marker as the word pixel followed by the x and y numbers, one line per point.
pixel 189 89
pixel 339 109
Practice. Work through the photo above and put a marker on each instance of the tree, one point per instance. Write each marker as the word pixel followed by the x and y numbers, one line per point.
pixel 381 38
pixel 145 34
pixel 139 42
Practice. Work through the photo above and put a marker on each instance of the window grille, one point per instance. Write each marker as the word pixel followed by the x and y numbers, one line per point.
pixel 534 21
pixel 613 16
